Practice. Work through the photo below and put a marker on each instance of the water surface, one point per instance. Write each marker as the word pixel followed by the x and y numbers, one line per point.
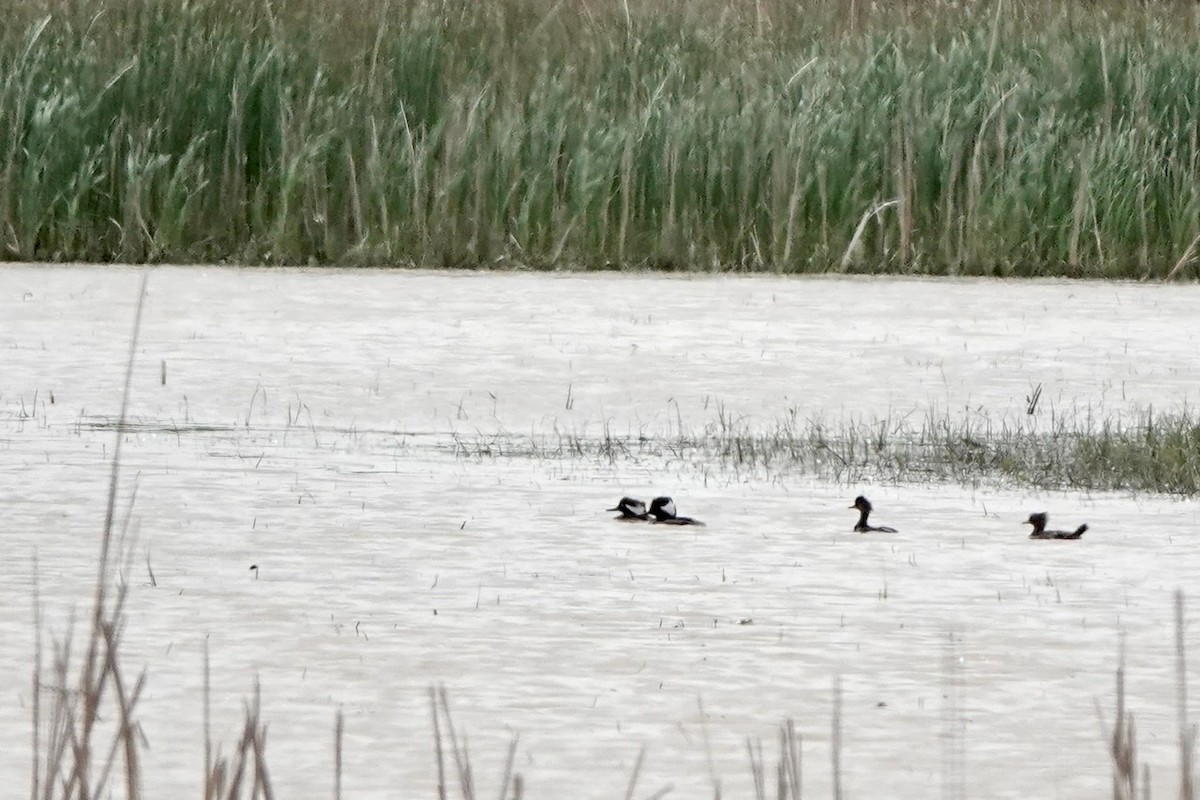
pixel 307 424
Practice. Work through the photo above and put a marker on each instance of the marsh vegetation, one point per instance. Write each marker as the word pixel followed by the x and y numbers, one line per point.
pixel 1016 137
pixel 1142 452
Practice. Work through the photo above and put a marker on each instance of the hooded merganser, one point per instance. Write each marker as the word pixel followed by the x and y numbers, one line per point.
pixel 663 510
pixel 1038 521
pixel 632 510
pixel 864 510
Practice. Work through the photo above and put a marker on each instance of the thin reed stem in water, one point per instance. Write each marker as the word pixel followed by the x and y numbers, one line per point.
pixel 210 788
pixel 337 755
pixel 1123 741
pixel 835 738
pixel 437 745
pixel 508 767
pixel 790 757
pixel 35 761
pixel 633 776
pixel 91 684
pixel 1187 731
pixel 708 752
pixel 757 770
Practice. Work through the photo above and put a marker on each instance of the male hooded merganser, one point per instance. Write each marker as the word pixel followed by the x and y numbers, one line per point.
pixel 1038 521
pixel 864 510
pixel 632 510
pixel 663 510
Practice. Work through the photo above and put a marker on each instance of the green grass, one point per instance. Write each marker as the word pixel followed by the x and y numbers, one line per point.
pixel 1145 451
pixel 1010 138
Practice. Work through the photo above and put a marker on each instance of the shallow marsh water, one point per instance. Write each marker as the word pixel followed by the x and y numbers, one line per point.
pixel 307 424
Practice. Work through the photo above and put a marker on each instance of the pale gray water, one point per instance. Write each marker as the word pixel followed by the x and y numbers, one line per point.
pixel 305 426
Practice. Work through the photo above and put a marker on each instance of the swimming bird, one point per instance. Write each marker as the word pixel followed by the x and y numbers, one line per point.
pixel 864 510
pixel 1038 521
pixel 632 510
pixel 663 510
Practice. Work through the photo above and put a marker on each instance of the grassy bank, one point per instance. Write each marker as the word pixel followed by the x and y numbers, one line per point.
pixel 1007 137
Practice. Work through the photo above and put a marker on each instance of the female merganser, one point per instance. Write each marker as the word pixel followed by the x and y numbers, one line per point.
pixel 1038 521
pixel 632 510
pixel 864 510
pixel 663 510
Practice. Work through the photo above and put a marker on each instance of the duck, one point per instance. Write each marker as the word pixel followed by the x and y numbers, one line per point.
pixel 663 511
pixel 864 510
pixel 1039 520
pixel 632 510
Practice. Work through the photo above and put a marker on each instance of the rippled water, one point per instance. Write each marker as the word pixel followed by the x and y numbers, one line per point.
pixel 307 425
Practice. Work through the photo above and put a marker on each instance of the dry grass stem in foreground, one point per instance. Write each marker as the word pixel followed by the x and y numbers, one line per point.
pixel 81 749
pixel 1187 732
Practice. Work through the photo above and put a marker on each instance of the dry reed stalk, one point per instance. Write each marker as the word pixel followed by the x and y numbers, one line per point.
pixel 756 769
pixel 508 767
pixel 210 785
pixel 91 684
pixel 337 755
pixel 1187 732
pixel 75 711
pixel 439 706
pixel 262 779
pixel 123 740
pixel 35 776
pixel 437 744
pixel 462 757
pixel 126 701
pixel 712 769
pixel 790 761
pixel 633 777
pixel 836 739
pixel 853 249
pixel 56 743
pixel 249 764
pixel 239 765
pixel 1123 744
pixel 1185 259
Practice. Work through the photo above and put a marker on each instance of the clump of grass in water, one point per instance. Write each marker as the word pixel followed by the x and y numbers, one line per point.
pixel 1145 451
pixel 921 137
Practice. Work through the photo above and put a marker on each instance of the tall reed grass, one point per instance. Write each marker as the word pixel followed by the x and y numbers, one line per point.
pixel 1012 137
